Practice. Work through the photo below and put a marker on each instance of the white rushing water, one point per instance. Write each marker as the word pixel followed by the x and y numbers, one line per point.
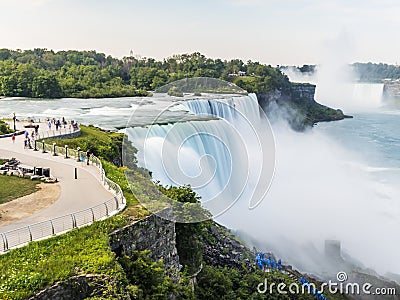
pixel 223 160
pixel 351 97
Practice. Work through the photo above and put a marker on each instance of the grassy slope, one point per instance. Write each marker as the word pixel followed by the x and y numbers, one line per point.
pixel 84 251
pixel 13 187
pixel 100 143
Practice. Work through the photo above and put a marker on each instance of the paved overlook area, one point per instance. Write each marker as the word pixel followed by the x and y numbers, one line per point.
pixel 76 194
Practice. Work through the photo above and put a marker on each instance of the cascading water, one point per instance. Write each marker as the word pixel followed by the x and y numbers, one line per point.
pixel 350 97
pixel 227 109
pixel 222 160
pixel 369 94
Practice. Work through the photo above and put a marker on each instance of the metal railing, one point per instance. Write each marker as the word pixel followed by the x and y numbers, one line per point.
pixel 62 131
pixel 46 229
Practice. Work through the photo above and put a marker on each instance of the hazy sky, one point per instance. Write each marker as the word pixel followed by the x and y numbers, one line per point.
pixel 270 31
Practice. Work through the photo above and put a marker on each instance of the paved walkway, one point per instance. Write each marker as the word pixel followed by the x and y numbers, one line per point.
pixel 76 195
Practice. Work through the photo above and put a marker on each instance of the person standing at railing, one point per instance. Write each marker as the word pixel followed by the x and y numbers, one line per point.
pixel 13 138
pixel 88 154
pixel 58 124
pixel 74 125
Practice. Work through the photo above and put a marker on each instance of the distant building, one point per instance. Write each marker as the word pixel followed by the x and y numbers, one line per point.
pixel 333 250
pixel 238 74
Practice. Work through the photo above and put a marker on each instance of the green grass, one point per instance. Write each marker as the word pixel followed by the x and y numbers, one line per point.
pixel 13 187
pixel 134 210
pixel 87 133
pixel 101 143
pixel 27 270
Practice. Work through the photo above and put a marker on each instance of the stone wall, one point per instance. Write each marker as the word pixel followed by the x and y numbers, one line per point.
pixel 153 233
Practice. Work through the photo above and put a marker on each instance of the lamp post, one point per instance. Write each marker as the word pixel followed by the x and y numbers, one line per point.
pixel 54 149
pixel 14 118
pixel 44 147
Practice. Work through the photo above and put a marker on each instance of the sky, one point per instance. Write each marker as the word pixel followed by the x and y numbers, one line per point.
pixel 276 32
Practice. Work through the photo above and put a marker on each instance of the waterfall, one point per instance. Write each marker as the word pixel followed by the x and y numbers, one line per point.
pixel 350 97
pixel 368 93
pixel 221 159
pixel 226 108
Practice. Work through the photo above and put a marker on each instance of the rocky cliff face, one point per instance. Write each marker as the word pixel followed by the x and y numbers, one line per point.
pixel 300 93
pixel 83 287
pixel 223 249
pixel 303 93
pixel 392 90
pixel 153 233
pixel 299 106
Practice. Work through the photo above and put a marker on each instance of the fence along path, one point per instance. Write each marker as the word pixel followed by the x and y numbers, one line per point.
pixel 62 224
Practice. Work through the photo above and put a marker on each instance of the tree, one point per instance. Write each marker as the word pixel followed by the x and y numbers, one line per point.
pixel 46 86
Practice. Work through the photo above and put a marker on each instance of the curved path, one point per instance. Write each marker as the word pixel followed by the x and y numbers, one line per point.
pixel 76 194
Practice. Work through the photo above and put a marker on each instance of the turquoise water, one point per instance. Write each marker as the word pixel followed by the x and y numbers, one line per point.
pixel 375 137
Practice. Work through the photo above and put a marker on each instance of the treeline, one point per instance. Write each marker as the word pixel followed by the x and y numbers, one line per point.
pixel 365 72
pixel 42 73
pixel 303 69
pixel 45 74
pixel 370 72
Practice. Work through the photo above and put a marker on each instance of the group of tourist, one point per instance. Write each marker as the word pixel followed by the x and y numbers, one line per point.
pixel 58 124
pixel 266 264
pixel 304 282
pixel 28 139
